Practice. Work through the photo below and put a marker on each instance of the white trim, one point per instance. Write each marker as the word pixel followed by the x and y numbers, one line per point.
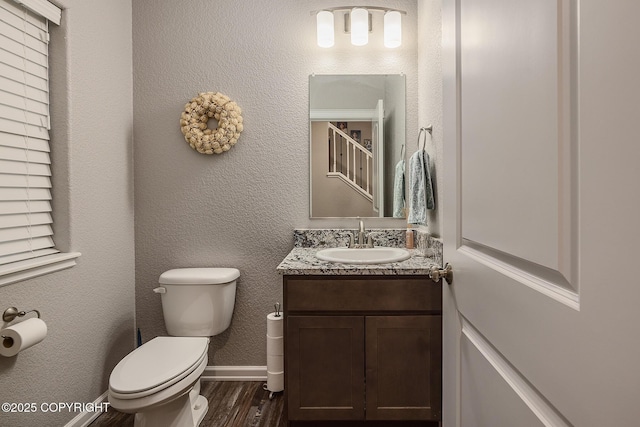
pixel 30 268
pixel 343 115
pixel 565 296
pixel 361 191
pixel 547 415
pixel 84 419
pixel 234 373
pixel 43 8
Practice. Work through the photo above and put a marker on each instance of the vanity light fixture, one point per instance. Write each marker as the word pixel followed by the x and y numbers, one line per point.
pixel 359 26
pixel 324 26
pixel 357 21
pixel 392 29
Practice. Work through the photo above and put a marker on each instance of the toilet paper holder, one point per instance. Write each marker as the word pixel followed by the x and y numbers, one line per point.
pixel 11 313
pixel 23 335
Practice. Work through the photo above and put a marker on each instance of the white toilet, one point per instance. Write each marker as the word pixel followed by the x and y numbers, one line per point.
pixel 160 380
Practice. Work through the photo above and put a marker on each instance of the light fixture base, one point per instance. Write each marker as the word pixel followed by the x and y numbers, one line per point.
pixel 347 23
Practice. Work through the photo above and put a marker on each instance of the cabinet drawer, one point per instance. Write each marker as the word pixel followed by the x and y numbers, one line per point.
pixel 362 293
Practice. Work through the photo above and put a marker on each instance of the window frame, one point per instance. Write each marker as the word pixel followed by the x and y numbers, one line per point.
pixel 39 265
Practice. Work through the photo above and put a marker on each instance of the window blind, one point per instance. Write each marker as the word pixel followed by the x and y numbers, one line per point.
pixel 26 230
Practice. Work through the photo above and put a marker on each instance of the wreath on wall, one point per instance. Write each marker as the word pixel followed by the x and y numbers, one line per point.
pixel 197 112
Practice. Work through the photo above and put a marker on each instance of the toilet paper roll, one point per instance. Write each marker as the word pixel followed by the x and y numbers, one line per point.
pixel 275 345
pixel 274 325
pixel 275 381
pixel 21 336
pixel 275 363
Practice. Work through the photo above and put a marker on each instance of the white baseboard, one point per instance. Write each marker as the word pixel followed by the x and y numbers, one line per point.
pixel 235 373
pixel 83 419
pixel 211 373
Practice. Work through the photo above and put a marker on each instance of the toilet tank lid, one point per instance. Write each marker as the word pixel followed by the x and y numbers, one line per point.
pixel 199 276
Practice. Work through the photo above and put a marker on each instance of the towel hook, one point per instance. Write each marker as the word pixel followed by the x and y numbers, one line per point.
pixel 424 129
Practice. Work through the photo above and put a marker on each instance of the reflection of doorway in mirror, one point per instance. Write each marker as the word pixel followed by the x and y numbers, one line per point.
pixel 341 173
pixel 338 156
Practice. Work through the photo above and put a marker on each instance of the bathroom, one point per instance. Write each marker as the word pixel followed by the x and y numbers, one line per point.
pixel 135 200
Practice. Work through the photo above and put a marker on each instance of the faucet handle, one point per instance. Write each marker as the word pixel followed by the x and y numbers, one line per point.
pixel 351 241
pixel 369 240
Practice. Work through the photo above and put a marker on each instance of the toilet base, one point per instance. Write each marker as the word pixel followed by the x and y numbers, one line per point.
pixel 187 410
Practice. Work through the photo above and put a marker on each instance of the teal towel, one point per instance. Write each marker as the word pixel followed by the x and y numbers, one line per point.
pixel 398 191
pixel 420 188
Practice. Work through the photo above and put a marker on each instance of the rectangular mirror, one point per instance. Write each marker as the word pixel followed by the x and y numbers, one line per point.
pixel 357 137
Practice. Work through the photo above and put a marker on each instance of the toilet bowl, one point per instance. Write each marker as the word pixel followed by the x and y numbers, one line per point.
pixel 160 380
pixel 162 371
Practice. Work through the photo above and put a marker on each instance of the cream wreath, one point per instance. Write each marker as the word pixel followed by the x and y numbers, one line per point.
pixel 197 112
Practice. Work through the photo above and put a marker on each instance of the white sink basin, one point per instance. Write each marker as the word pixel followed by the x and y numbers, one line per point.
pixel 377 255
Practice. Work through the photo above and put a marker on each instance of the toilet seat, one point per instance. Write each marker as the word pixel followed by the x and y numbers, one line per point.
pixel 157 365
pixel 157 400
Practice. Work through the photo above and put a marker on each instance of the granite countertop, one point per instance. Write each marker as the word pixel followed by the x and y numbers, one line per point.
pixel 303 261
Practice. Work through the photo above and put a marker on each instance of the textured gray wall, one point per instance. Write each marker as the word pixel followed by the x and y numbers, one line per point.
pixel 89 309
pixel 430 98
pixel 237 209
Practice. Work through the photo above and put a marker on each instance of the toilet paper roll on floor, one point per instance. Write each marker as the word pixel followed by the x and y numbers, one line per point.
pixel 21 336
pixel 275 352
pixel 275 381
pixel 274 325
pixel 275 345
pixel 275 363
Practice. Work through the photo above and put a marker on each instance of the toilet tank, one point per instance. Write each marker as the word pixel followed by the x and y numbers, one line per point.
pixel 198 302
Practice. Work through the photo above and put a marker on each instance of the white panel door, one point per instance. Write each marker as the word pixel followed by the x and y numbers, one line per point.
pixel 541 199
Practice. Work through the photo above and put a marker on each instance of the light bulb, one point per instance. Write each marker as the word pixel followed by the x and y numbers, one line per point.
pixel 392 29
pixel 359 26
pixel 324 23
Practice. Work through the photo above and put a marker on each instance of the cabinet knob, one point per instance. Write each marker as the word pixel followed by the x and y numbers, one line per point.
pixel 436 273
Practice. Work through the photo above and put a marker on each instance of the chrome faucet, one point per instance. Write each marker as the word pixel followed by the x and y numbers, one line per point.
pixel 362 235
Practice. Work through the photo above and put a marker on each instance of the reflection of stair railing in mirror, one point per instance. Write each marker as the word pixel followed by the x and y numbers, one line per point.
pixel 350 161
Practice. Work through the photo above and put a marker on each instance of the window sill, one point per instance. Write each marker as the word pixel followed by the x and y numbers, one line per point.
pixel 31 268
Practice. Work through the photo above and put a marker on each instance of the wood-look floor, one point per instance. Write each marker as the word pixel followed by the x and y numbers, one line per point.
pixel 231 404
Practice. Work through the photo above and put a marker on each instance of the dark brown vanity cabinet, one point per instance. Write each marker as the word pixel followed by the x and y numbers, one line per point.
pixel 363 349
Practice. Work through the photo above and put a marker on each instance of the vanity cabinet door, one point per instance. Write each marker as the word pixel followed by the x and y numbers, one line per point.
pixel 325 367
pixel 403 367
